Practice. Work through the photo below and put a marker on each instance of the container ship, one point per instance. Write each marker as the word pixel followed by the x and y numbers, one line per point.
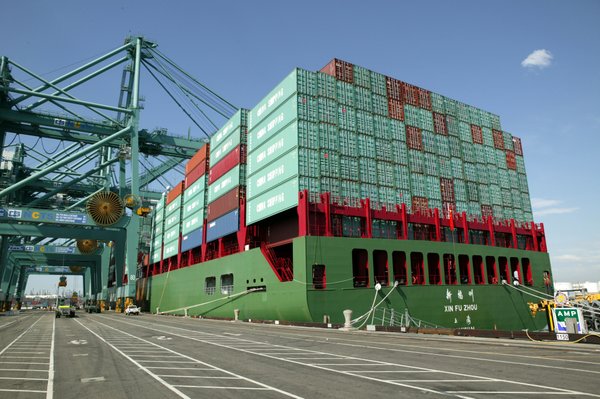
pixel 348 189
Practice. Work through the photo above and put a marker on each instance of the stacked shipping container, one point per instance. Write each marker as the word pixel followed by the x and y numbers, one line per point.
pixel 226 177
pixel 158 230
pixel 355 134
pixel 194 200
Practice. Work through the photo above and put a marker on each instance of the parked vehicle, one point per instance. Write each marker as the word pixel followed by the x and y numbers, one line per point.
pixel 132 309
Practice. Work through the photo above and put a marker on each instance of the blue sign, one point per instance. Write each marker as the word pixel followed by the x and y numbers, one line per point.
pixel 44 249
pixel 42 215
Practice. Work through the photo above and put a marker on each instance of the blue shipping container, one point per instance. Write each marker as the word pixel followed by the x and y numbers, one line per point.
pixel 220 227
pixel 191 240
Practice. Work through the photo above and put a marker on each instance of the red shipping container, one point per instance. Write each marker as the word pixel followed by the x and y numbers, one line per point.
pixel 447 207
pixel 518 146
pixel 394 88
pixel 511 162
pixel 411 94
pixel 194 161
pixel 228 202
pixel 395 109
pixel 175 192
pixel 486 210
pixel 339 69
pixel 235 157
pixel 439 124
pixel 498 139
pixel 420 205
pixel 414 138
pixel 447 188
pixel 424 99
pixel 196 173
pixel 476 134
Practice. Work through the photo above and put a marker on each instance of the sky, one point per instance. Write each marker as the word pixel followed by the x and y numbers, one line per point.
pixel 534 63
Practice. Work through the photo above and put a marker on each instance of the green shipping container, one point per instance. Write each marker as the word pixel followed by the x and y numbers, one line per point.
pixel 399 152
pixel 279 95
pixel 272 175
pixel 269 127
pixel 312 184
pixel 402 178
pixel 348 143
pixel 379 105
pixel 308 134
pixel 308 163
pixel 416 161
pixel 378 84
pixel 326 85
pixel 437 103
pixel 346 117
pixel 362 77
pixel 172 220
pixel 173 207
pixel 363 99
pixel 385 150
pixel 282 197
pixel 368 170
pixel 192 223
pixel 170 249
pixel 225 183
pixel 431 164
pixel 418 185
pixel 270 150
pixel 429 141
pixel 364 123
pixel 328 110
pixel 328 137
pixel 232 125
pixel 194 206
pixel 194 190
pixel 396 129
pixel 172 234
pixel 345 93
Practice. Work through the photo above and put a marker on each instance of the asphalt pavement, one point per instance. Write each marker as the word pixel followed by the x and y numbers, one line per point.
pixel 115 356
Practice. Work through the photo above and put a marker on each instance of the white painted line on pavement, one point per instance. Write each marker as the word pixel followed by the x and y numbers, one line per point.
pixel 37 363
pixel 214 387
pixel 50 387
pixel 43 371
pixel 180 368
pixel 93 379
pixel 199 376
pixel 21 390
pixel 23 378
pixel 16 339
pixel 172 387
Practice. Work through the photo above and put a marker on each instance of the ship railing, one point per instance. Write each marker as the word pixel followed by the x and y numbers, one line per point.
pixel 209 290
pixel 395 318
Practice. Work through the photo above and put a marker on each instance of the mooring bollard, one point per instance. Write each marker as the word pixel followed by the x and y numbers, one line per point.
pixel 236 314
pixel 347 318
pixel 157 310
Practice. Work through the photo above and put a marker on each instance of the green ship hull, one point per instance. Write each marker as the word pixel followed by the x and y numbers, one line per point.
pixel 247 282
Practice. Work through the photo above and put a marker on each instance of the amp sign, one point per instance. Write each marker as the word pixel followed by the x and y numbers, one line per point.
pixel 569 320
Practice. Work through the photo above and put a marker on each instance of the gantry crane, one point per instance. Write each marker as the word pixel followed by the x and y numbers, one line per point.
pixel 82 205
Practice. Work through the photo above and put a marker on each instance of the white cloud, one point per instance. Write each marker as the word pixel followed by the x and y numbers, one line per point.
pixel 539 58
pixel 543 206
pixel 543 203
pixel 554 211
